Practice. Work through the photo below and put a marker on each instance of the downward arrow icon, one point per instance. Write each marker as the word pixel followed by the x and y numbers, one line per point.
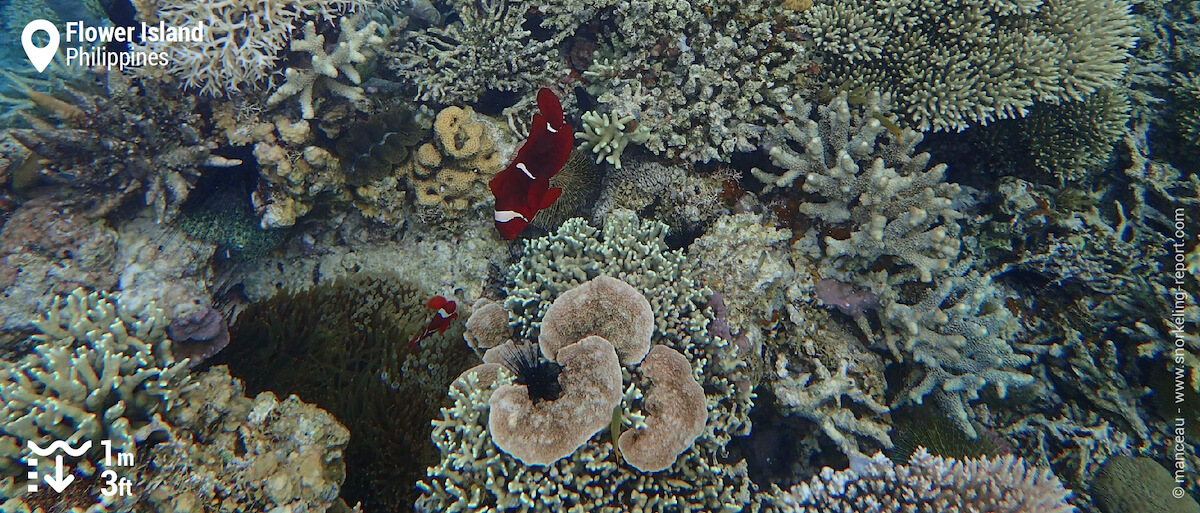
pixel 57 481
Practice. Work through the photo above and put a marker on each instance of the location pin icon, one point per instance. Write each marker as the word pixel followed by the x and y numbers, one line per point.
pixel 40 57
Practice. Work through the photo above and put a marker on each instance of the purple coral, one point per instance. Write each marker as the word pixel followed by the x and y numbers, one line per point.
pixel 198 335
pixel 845 297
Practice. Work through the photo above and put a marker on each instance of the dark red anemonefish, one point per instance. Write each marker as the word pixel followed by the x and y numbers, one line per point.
pixel 445 312
pixel 523 188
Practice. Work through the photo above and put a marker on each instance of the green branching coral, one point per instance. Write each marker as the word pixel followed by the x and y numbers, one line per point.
pixel 96 373
pixel 958 63
pixel 343 345
pixel 488 48
pixel 1187 96
pixel 475 475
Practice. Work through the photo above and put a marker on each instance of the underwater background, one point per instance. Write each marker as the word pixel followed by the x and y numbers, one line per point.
pixel 600 255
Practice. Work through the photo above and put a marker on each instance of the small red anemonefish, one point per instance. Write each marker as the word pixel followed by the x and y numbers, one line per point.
pixel 441 318
pixel 523 188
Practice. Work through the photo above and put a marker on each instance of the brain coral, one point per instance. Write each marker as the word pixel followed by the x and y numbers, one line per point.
pixel 953 64
pixel 451 173
pixel 474 475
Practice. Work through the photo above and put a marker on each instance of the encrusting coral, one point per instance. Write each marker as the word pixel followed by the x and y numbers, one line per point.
pixel 227 453
pixel 675 412
pixel 931 483
pixel 543 432
pixel 605 307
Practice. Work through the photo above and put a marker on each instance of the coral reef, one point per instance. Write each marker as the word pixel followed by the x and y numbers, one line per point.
pixel 244 40
pixel 129 138
pixel 229 453
pixel 327 67
pixel 488 48
pixel 343 346
pixel 993 485
pixel 580 180
pixel 96 373
pixel 475 475
pixel 1187 93
pixel 487 327
pixel 48 247
pixel 936 58
pixel 450 173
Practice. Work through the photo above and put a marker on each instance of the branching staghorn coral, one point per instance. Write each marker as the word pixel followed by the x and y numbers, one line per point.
pixel 903 245
pixel 487 49
pixel 96 373
pixel 326 67
pixel 244 39
pixel 931 483
pixel 954 64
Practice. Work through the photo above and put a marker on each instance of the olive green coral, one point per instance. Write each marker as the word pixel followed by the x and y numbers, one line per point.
pixel 958 63
pixel 96 373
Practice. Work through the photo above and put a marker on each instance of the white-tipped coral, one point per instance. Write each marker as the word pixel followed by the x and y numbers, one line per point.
pixel 605 307
pixel 932 483
pixel 544 432
pixel 676 409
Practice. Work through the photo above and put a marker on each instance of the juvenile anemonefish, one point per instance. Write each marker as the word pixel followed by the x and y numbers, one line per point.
pixel 523 188
pixel 441 318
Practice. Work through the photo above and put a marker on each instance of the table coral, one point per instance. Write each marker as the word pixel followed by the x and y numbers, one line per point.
pixel 986 485
pixel 937 59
